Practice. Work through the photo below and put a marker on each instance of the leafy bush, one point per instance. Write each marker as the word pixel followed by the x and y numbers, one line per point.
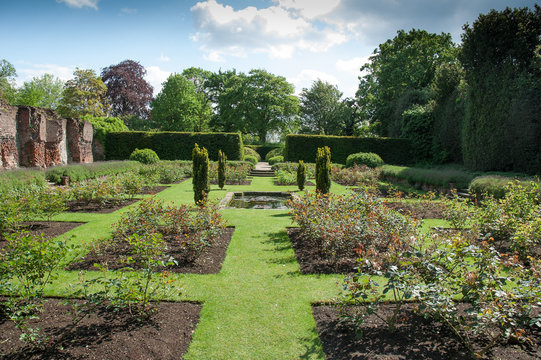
pixel 435 177
pixel 251 159
pixel 272 153
pixel 275 160
pixel 369 159
pixel 323 170
pixel 21 178
pixel 310 168
pixel 285 178
pixel 251 152
pixel 145 156
pixel 355 175
pixel 494 185
pixel 104 125
pixel 82 172
pixel 304 147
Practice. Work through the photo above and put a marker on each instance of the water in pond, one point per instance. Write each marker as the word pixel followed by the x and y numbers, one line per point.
pixel 259 201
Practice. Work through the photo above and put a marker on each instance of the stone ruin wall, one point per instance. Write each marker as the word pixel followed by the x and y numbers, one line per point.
pixel 36 137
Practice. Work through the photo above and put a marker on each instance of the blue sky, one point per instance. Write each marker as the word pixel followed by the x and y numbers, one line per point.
pixel 302 40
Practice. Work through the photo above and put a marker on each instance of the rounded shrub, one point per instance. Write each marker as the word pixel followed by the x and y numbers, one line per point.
pixel 250 159
pixel 145 156
pixel 369 159
pixel 273 153
pixel 251 152
pixel 276 159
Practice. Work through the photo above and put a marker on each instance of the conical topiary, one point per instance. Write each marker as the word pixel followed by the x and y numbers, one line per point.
pixel 200 159
pixel 323 170
pixel 301 175
pixel 221 168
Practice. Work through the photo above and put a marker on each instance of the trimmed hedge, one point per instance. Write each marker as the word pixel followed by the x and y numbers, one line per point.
pixel 145 156
pixel 80 172
pixel 263 150
pixel 495 185
pixel 369 159
pixel 276 159
pixel 435 177
pixel 173 145
pixel 304 147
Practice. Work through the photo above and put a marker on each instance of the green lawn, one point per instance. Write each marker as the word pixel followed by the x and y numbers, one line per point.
pixel 258 306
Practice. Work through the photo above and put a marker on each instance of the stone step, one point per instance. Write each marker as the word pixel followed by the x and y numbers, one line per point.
pixel 262 173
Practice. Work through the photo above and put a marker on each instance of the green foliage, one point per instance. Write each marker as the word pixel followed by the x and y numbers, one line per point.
pixel 276 160
pixel 272 153
pixel 301 175
pixel 355 175
pixel 44 91
pixel 201 186
pixel 20 178
pixel 386 92
pixel 323 170
pixel 264 149
pixel 321 109
pixel 221 168
pixel 8 91
pixel 83 95
pixel 145 156
pixel 80 172
pixel 436 177
pixel 417 126
pixel 248 151
pixel 304 147
pixel 501 128
pixel 104 125
pixel 369 159
pixel 173 145
pixel 251 159
pixel 178 107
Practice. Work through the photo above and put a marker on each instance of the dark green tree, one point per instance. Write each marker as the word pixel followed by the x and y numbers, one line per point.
pixel 201 187
pixel 501 128
pixel 321 109
pixel 323 170
pixel 399 75
pixel 301 175
pixel 222 158
pixel 8 91
pixel 177 107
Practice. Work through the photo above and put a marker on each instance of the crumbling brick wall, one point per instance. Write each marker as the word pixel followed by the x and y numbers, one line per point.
pixel 35 137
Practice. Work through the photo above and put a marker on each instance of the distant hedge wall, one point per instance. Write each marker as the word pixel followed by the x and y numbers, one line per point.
pixel 173 145
pixel 304 147
pixel 263 150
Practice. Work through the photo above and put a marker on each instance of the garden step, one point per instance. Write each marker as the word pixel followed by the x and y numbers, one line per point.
pixel 263 173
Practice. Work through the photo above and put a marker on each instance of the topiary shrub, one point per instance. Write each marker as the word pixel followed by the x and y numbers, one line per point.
pixel 221 168
pixel 251 152
pixel 145 156
pixel 276 159
pixel 201 187
pixel 251 159
pixel 323 170
pixel 301 175
pixel 273 153
pixel 369 159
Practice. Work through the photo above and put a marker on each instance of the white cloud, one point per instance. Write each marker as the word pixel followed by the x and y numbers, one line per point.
pixel 156 76
pixel 307 76
pixel 164 58
pixel 80 3
pixel 276 30
pixel 128 11
pixel 30 71
pixel 352 65
pixel 310 9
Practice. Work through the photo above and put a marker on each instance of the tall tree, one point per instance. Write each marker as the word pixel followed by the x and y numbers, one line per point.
pixel 83 95
pixel 8 74
pixel 321 109
pixel 257 103
pixel 128 92
pixel 399 75
pixel 177 107
pixel 502 130
pixel 44 91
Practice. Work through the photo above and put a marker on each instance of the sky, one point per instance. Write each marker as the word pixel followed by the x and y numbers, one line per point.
pixel 301 40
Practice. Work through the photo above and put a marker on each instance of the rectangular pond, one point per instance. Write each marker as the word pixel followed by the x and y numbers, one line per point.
pixel 256 200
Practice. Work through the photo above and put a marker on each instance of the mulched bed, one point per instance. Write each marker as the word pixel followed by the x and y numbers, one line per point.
pixel 107 335
pixel 83 206
pixel 415 338
pixel 426 210
pixel 48 229
pixel 209 262
pixel 312 262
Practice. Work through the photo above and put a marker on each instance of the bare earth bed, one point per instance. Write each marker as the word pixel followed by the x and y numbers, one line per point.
pixel 415 338
pixel 108 335
pixel 49 229
pixel 312 262
pixel 209 262
pixel 418 210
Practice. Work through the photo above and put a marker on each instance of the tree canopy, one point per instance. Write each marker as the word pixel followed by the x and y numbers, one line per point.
pixel 83 95
pixel 321 109
pixel 44 91
pixel 7 81
pixel 128 92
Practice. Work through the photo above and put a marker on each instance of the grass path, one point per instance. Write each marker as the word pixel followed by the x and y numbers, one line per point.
pixel 258 306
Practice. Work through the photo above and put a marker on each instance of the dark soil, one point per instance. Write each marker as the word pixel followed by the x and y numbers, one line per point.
pixel 48 229
pixel 83 206
pixel 107 335
pixel 209 262
pixel 414 338
pixel 425 210
pixel 153 189
pixel 312 262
